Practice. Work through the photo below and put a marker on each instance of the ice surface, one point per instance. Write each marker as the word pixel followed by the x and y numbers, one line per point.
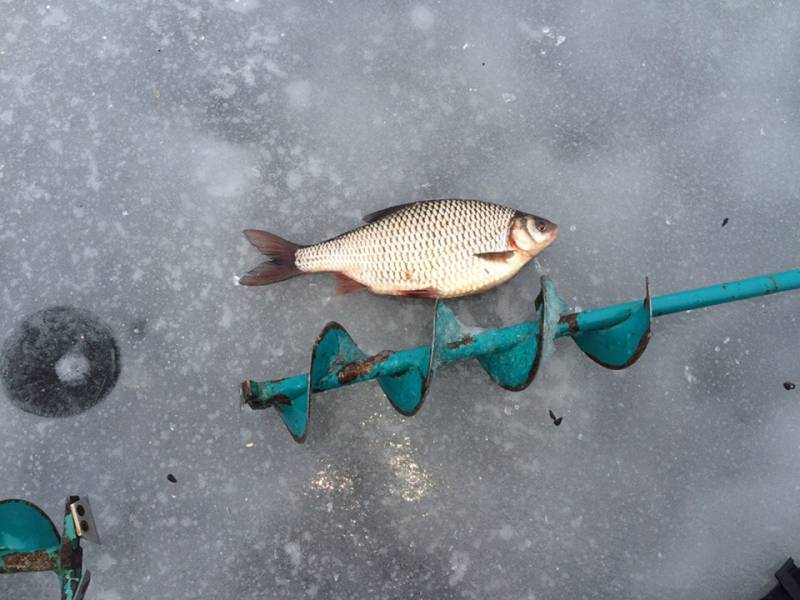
pixel 138 139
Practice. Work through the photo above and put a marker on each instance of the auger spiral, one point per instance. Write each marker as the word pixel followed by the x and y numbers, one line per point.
pixel 613 336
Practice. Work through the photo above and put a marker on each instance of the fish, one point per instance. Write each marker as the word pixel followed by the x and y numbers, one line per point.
pixel 443 248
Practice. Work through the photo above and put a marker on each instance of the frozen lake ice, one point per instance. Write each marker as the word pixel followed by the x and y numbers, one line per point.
pixel 137 141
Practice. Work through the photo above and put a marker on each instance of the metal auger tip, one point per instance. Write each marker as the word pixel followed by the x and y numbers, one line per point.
pixel 83 585
pixel 81 511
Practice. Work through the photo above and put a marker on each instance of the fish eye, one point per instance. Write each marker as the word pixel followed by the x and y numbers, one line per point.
pixel 541 227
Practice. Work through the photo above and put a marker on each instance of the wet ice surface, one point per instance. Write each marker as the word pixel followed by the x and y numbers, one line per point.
pixel 138 141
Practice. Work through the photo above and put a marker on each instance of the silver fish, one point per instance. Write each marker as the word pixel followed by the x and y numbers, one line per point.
pixel 430 249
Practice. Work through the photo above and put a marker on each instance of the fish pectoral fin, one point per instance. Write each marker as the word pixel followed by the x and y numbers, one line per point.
pixel 498 257
pixel 421 293
pixel 347 285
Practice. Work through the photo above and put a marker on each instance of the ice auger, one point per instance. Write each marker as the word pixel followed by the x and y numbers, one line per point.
pixel 613 336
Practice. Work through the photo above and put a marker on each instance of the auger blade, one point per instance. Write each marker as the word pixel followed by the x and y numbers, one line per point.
pixel 29 541
pixel 516 368
pixel 332 348
pixel 551 308
pixel 407 390
pixel 620 345
pixel 78 524
pixel 83 585
pixel 83 520
pixel 74 582
pixel 335 348
pixel 24 527
pixel 448 333
pixel 295 414
pixel 513 369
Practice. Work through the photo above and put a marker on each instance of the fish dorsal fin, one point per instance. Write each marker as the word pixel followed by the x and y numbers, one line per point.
pixel 385 212
pixel 379 214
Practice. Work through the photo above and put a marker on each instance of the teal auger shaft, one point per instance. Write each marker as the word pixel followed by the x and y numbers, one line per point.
pixel 613 336
pixel 693 299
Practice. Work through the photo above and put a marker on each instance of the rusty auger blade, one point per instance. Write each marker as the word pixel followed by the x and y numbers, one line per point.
pixel 29 541
pixel 614 337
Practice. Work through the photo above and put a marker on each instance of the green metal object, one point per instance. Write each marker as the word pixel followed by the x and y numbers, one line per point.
pixel 613 336
pixel 29 541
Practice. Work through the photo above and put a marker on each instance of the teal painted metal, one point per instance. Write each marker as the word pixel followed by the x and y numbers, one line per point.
pixel 30 542
pixel 619 346
pixel 613 336
pixel 24 528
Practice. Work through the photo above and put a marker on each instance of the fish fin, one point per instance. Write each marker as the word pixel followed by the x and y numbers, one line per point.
pixel 347 285
pixel 281 265
pixel 384 212
pixel 499 257
pixel 268 272
pixel 271 245
pixel 421 293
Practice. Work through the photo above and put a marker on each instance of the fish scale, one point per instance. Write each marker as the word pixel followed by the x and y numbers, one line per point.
pixel 423 245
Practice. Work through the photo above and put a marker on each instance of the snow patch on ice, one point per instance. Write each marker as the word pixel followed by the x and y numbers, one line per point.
pixel 294 552
pixel 243 6
pixel 225 170
pixel 299 93
pixel 422 17
pixel 459 563
pixel 55 17
pixel 105 562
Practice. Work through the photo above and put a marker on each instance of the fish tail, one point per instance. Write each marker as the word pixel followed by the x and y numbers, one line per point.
pixel 281 259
